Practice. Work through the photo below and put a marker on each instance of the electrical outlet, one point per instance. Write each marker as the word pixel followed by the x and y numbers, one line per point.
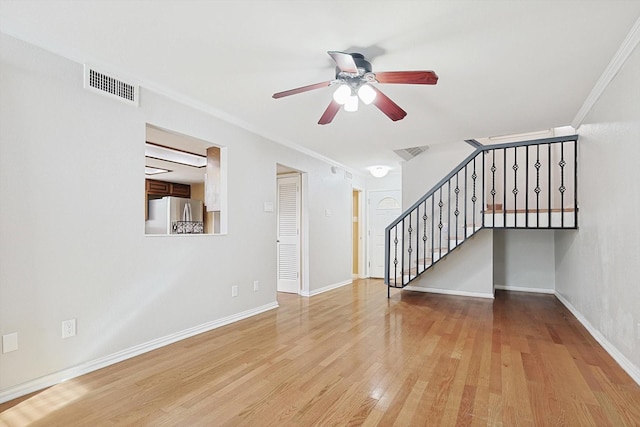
pixel 10 342
pixel 68 328
pixel 256 285
pixel 234 290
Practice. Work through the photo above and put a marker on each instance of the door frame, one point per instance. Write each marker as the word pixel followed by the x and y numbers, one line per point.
pixel 363 240
pixel 303 243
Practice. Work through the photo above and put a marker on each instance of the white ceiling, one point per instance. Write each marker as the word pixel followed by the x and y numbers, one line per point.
pixel 504 66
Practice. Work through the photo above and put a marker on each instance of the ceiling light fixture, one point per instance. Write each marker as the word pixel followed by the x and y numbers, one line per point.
pixel 366 94
pixel 352 104
pixel 148 170
pixel 342 94
pixel 379 171
pixel 160 152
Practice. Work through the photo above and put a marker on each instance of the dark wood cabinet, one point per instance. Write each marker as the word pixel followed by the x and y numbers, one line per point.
pixel 163 188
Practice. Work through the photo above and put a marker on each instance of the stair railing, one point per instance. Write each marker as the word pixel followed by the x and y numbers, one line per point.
pixel 527 184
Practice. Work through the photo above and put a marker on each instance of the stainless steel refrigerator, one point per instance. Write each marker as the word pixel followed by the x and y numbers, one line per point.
pixel 175 215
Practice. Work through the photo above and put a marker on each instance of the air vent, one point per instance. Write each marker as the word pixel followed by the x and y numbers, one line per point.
pixel 411 152
pixel 110 86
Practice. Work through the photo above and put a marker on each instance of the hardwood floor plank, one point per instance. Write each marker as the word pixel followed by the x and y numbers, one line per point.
pixel 352 357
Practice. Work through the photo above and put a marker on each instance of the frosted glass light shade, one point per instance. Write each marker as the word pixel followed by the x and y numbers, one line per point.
pixel 352 104
pixel 367 94
pixel 342 94
pixel 379 171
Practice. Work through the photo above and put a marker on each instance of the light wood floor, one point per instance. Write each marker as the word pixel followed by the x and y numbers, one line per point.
pixel 352 357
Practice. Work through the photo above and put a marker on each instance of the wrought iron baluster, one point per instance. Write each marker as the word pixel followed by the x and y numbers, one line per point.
pixel 433 232
pixel 549 167
pixel 440 204
pixel 575 183
pixel 537 190
pixel 515 186
pixel 402 253
pixel 449 216
pixel 395 259
pixel 457 211
pixel 424 235
pixel 562 188
pixel 493 188
pixel 526 188
pixel 504 187
pixel 409 249
pixel 466 195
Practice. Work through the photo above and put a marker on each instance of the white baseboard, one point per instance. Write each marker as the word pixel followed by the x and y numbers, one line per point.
pixel 449 292
pixel 626 364
pixel 325 289
pixel 523 289
pixel 102 362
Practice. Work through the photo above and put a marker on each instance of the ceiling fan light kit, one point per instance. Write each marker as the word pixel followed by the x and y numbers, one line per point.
pixel 354 77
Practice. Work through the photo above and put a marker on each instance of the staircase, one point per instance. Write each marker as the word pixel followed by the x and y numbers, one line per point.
pixel 520 185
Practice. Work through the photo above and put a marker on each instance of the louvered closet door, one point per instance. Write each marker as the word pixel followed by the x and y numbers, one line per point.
pixel 289 234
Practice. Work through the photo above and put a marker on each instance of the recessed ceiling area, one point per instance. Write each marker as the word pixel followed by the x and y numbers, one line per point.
pixel 178 169
pixel 504 67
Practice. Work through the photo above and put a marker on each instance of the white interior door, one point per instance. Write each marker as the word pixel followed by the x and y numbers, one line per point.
pixel 384 207
pixel 288 212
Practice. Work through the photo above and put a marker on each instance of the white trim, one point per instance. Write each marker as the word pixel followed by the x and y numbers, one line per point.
pixel 523 289
pixel 626 364
pixel 326 288
pixel 102 362
pixel 618 60
pixel 449 292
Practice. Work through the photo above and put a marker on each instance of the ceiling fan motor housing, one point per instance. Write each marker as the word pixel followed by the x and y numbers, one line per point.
pixel 362 64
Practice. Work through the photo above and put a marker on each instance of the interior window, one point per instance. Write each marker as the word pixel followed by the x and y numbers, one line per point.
pixel 184 184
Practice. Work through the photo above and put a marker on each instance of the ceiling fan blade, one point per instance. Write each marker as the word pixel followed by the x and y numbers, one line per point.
pixel 387 106
pixel 407 77
pixel 344 61
pixel 301 89
pixel 329 113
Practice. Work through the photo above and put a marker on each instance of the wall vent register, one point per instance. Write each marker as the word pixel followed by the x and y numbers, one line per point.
pixel 110 86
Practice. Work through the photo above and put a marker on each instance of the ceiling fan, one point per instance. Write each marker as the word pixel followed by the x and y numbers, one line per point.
pixel 354 78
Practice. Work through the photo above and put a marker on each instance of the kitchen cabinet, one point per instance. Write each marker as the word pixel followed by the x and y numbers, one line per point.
pixel 158 189
pixel 164 188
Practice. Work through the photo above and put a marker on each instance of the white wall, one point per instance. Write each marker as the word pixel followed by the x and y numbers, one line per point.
pixel 72 223
pixel 598 268
pixel 467 271
pixel 523 260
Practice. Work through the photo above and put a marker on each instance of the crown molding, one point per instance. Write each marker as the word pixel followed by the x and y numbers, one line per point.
pixel 616 63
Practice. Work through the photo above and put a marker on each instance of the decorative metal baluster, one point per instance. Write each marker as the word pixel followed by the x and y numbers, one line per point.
pixel 417 240
pixel 395 259
pixel 493 188
pixel 457 211
pixel 449 215
pixel 504 187
pixel 409 249
pixel 549 167
pixel 515 186
pixel 526 188
pixel 424 235
pixel 402 253
pixel 433 232
pixel 466 195
pixel 474 175
pixel 537 190
pixel 575 184
pixel 440 204
pixel 562 188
